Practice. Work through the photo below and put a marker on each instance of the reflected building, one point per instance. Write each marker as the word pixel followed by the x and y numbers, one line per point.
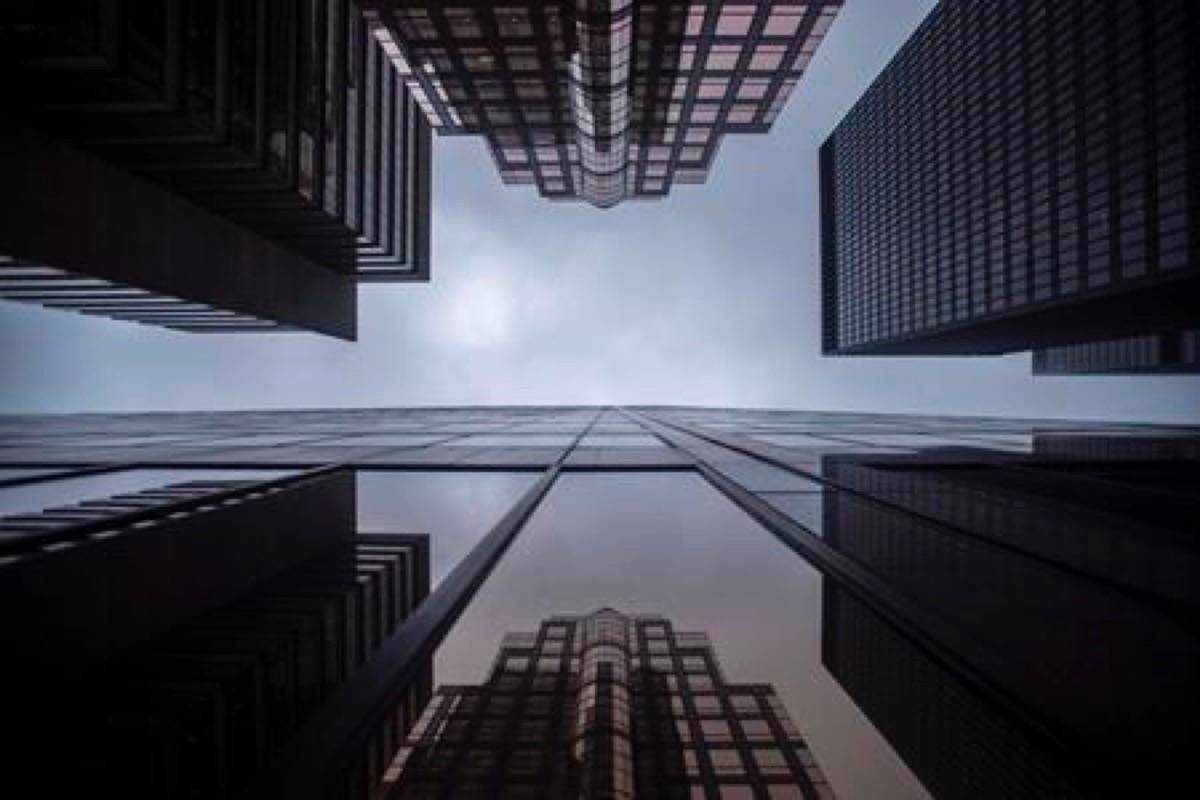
pixel 1021 176
pixel 1172 353
pixel 207 166
pixel 606 705
pixel 602 101
pixel 190 632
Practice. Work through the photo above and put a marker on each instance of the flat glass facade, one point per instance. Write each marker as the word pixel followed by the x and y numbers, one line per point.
pixel 923 606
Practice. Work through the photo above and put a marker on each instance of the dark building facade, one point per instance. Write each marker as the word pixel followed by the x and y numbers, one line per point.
pixel 1064 583
pixel 1022 175
pixel 606 705
pixel 1172 353
pixel 995 607
pixel 602 101
pixel 235 161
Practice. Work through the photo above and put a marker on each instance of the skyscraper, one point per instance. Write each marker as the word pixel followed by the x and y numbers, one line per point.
pixel 207 166
pixel 1022 175
pixel 606 705
pixel 602 101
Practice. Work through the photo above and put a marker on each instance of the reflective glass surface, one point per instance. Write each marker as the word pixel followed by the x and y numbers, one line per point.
pixel 669 544
pixel 456 509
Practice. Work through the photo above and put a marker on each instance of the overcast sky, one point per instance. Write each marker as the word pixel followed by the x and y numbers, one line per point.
pixel 708 298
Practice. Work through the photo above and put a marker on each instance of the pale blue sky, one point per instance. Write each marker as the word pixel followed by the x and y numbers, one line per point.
pixel 709 297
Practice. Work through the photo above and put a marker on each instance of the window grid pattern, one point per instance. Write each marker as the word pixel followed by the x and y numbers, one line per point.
pixel 1168 353
pixel 1014 155
pixel 608 703
pixel 638 93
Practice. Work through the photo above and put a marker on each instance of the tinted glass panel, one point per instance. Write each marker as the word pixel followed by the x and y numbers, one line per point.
pixel 455 508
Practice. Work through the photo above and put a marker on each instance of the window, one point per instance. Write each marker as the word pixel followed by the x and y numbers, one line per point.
pixel 726 762
pixel 735 20
pixel 716 730
pixel 771 762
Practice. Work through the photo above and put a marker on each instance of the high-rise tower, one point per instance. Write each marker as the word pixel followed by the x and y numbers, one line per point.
pixel 1021 175
pixel 602 101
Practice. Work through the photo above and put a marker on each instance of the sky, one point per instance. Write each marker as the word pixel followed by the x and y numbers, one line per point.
pixel 710 297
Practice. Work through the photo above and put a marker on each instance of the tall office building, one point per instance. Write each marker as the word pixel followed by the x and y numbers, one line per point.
pixel 602 101
pixel 1009 607
pixel 606 705
pixel 207 166
pixel 1022 175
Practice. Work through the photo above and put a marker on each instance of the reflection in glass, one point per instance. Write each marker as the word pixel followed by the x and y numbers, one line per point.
pixel 607 705
pixel 455 508
pixel 199 711
pixel 1053 669
pixel 667 543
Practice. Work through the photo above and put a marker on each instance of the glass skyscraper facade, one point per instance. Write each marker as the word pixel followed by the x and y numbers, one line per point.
pixel 1021 175
pixel 602 101
pixel 945 606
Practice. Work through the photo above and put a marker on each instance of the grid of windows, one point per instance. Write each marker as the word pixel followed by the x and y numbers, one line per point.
pixel 602 101
pixel 1166 353
pixel 607 705
pixel 1014 157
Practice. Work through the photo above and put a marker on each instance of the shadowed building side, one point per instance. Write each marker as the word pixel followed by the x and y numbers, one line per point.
pixel 1021 175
